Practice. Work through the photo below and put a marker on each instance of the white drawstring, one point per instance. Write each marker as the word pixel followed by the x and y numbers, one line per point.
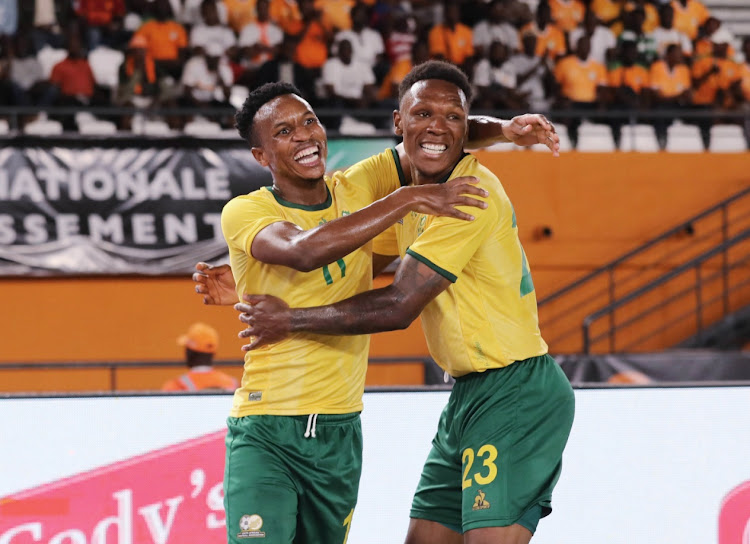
pixel 312 421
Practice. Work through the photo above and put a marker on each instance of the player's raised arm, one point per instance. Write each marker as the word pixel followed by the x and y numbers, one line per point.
pixel 522 130
pixel 394 307
pixel 284 243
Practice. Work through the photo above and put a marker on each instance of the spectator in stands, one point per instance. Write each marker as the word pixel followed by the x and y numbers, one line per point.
pixel 495 28
pixel 73 81
pixel 713 75
pixel 284 68
pixel 46 18
pixel 689 15
pixel 742 89
pixel 101 22
pixel 388 94
pixel 629 84
pixel 200 343
pixel 452 40
pixel 188 12
pixel 628 79
pixel 210 29
pixel 335 14
pixel 495 80
pixel 287 15
pixel 603 40
pixel 367 44
pixel 261 39
pixel 609 13
pixel 567 14
pixel 670 86
pixel 347 82
pixel 650 13
pixel 550 40
pixel 400 40
pixel 712 31
pixel 534 77
pixel 26 72
pixel 583 83
pixel 8 17
pixel 239 13
pixel 633 31
pixel 207 78
pixel 312 49
pixel 138 81
pixel 167 39
pixel 666 34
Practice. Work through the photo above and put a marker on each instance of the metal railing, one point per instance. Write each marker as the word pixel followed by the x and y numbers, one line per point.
pixel 700 290
pixel 562 313
pixel 113 369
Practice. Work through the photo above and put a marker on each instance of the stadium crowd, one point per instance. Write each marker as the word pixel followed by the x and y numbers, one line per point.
pixel 538 55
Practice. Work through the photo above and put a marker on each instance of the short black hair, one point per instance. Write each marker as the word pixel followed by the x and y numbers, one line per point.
pixel 435 69
pixel 256 100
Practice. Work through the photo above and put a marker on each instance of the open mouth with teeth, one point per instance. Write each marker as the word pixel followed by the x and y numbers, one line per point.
pixel 309 156
pixel 433 149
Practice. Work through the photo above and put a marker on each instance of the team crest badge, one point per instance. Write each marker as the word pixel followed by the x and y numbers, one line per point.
pixel 250 527
pixel 479 502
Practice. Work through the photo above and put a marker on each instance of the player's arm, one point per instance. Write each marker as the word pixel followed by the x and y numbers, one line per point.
pixel 284 243
pixel 394 307
pixel 522 130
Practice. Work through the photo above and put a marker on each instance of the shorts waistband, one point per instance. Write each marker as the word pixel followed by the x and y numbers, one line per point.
pixel 328 419
pixel 474 375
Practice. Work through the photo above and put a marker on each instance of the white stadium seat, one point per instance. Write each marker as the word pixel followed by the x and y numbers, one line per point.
pixel 202 127
pixel 640 138
pixel 595 137
pixel 682 138
pixel 97 127
pixel 105 65
pixel 727 139
pixel 4 126
pixel 43 127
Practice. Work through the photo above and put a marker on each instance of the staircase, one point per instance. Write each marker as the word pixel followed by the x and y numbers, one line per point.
pixel 667 290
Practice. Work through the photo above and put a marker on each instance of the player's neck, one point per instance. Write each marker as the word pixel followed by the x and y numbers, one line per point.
pixel 303 192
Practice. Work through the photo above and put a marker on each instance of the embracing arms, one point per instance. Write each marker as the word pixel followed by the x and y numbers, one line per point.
pixel 394 307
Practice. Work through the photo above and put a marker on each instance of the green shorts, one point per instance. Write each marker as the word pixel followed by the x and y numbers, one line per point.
pixel 284 487
pixel 498 450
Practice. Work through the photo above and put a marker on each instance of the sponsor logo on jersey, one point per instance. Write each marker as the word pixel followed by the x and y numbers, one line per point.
pixel 255 396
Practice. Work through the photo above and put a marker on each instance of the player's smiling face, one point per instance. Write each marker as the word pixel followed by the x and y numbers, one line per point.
pixel 293 143
pixel 433 119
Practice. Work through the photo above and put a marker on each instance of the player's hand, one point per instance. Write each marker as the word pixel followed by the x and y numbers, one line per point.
pixel 442 198
pixel 215 283
pixel 532 128
pixel 268 320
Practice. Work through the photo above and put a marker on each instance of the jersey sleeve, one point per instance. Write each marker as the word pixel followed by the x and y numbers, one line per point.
pixel 447 244
pixel 243 218
pixel 386 243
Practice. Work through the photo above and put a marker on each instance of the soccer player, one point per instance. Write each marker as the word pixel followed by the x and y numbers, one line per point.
pixel 294 431
pixel 498 450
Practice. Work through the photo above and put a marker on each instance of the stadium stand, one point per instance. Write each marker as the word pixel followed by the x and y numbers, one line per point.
pixel 522 54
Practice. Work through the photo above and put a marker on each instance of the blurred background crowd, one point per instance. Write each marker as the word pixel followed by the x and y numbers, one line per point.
pixel 521 55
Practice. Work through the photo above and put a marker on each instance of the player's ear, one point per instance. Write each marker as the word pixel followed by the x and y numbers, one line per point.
pixel 397 123
pixel 259 155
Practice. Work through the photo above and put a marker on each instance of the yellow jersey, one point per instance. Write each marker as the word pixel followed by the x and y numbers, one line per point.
pixel 488 317
pixel 304 373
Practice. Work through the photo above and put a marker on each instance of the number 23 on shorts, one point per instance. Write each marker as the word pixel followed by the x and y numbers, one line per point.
pixel 487 471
